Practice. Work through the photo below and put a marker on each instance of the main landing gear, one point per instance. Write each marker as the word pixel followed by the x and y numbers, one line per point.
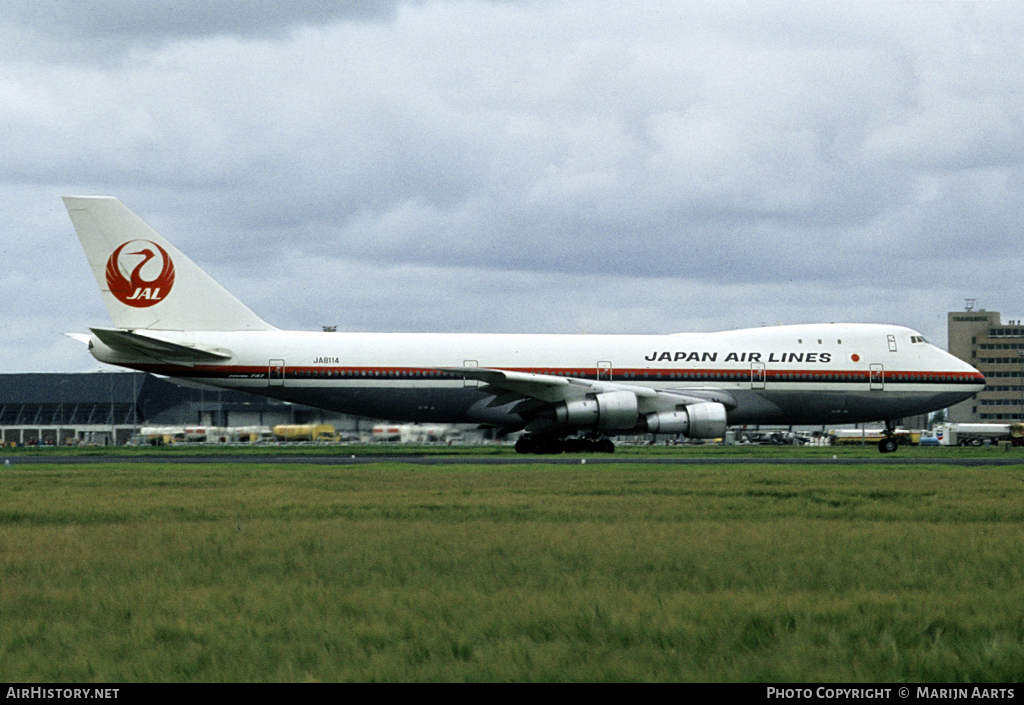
pixel 889 444
pixel 552 445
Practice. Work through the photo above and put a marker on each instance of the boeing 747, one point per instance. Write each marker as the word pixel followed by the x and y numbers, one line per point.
pixel 566 392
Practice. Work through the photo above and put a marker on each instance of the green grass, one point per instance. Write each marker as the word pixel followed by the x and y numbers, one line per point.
pixel 870 450
pixel 938 454
pixel 387 572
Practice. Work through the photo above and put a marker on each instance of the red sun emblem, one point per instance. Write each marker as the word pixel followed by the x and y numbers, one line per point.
pixel 125 277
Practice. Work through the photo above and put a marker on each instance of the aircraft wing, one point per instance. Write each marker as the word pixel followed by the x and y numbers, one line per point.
pixel 549 388
pixel 509 385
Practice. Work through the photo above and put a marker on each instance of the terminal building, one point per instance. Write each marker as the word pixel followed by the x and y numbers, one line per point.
pixel 108 408
pixel 996 349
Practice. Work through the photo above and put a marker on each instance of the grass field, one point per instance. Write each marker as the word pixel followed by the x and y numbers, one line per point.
pixel 713 450
pixel 234 572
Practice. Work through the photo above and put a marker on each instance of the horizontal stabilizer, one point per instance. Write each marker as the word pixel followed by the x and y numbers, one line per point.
pixel 134 343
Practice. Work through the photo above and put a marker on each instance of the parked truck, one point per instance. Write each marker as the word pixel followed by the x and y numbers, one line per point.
pixel 415 433
pixel 162 435
pixel 317 433
pixel 871 436
pixel 976 434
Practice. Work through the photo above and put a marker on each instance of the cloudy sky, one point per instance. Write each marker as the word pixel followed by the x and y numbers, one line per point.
pixel 566 166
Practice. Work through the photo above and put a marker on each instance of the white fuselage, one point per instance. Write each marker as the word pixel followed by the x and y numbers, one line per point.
pixel 803 374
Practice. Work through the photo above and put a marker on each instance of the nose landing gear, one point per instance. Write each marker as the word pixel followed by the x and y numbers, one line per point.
pixel 889 444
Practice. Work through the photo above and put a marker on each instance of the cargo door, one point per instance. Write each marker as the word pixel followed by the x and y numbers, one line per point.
pixel 275 373
pixel 757 375
pixel 467 381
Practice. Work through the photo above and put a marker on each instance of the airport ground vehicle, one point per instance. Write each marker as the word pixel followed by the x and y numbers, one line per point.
pixel 316 433
pixel 170 435
pixel 414 433
pixel 865 436
pixel 976 434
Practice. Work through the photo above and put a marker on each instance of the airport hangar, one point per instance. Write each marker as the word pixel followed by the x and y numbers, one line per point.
pixel 105 408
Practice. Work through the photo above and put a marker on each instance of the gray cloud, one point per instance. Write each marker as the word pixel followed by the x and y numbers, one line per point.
pixel 110 32
pixel 100 20
pixel 522 166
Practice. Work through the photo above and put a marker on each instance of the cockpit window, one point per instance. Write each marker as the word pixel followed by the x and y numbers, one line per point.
pixel 918 339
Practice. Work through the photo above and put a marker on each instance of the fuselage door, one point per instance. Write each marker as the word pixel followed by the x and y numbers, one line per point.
pixel 468 382
pixel 275 373
pixel 604 371
pixel 877 377
pixel 757 375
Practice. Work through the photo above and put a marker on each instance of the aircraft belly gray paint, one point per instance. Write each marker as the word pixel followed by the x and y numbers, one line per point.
pixel 552 385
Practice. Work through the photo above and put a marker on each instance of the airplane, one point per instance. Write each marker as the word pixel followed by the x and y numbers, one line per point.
pixel 570 393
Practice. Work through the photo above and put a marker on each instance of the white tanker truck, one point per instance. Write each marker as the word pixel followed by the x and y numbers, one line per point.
pixel 976 434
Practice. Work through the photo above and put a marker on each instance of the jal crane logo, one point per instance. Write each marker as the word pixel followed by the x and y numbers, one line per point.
pixel 125 273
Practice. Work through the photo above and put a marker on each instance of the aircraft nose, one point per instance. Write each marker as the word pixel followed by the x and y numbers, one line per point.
pixel 974 379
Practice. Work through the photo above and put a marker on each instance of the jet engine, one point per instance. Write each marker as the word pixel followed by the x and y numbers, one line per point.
pixel 703 420
pixel 611 411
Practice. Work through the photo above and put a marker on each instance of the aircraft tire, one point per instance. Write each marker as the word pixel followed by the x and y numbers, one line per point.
pixel 574 445
pixel 550 446
pixel 525 445
pixel 539 445
pixel 888 445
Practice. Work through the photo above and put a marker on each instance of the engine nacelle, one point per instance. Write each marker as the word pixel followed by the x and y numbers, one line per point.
pixel 703 420
pixel 613 411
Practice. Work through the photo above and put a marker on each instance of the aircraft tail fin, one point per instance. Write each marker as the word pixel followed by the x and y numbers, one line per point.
pixel 147 283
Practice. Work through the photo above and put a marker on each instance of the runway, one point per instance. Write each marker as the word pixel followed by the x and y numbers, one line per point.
pixel 500 461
